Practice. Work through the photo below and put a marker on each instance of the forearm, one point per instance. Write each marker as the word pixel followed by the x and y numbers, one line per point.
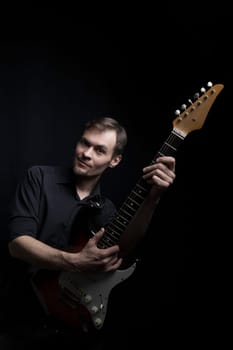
pixel 40 254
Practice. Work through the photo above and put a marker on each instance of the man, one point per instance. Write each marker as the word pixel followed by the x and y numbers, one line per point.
pixel 55 206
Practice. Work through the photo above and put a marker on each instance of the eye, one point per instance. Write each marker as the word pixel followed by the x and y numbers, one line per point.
pixel 83 142
pixel 100 150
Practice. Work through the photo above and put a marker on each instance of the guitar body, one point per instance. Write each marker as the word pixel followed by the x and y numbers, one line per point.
pixel 78 300
pixel 55 304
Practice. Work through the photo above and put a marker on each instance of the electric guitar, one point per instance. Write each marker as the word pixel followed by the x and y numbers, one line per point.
pixel 80 300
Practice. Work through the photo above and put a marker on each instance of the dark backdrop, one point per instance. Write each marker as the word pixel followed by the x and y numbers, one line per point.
pixel 61 67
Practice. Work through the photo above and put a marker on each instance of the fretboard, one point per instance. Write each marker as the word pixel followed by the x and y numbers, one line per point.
pixel 136 197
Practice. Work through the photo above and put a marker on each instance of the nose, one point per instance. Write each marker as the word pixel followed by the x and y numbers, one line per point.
pixel 87 152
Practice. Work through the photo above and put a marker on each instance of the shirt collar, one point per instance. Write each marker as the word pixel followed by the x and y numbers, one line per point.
pixel 66 176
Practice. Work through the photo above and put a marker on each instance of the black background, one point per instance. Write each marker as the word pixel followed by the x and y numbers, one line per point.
pixel 62 66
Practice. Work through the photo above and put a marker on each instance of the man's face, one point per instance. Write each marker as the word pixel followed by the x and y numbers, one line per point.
pixel 94 152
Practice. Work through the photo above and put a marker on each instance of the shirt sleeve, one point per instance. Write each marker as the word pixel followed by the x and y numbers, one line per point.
pixel 24 208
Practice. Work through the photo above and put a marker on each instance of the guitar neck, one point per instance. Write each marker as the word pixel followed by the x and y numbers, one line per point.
pixel 192 118
pixel 136 197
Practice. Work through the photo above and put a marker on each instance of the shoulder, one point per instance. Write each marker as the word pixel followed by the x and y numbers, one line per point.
pixel 38 171
pixel 49 170
pixel 41 172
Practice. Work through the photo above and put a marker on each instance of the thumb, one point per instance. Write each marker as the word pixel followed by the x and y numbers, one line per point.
pixel 99 234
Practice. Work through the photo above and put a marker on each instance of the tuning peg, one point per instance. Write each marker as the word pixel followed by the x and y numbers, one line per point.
pixel 196 98
pixel 209 84
pixel 183 107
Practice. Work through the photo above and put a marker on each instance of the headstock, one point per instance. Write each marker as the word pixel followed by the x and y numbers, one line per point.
pixel 194 116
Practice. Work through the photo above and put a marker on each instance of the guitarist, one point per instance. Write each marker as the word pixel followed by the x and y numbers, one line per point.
pixel 53 206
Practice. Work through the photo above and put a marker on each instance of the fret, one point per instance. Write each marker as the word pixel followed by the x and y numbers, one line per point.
pixel 114 237
pixel 108 241
pixel 116 227
pixel 129 208
pixel 104 243
pixel 167 151
pixel 138 194
pixel 170 146
pixel 140 189
pixel 132 201
pixel 124 214
pixel 126 211
pixel 121 220
pixel 178 136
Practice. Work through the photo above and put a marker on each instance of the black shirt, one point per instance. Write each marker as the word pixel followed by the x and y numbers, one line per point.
pixel 47 207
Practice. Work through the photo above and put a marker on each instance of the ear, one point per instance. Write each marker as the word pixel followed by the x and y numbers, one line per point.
pixel 115 161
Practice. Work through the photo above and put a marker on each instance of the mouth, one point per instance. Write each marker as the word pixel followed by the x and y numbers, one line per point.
pixel 81 163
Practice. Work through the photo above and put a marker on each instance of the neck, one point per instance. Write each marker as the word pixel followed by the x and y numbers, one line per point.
pixel 85 186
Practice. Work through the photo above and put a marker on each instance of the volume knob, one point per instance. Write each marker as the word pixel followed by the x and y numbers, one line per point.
pixel 87 298
pixel 98 322
pixel 94 309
